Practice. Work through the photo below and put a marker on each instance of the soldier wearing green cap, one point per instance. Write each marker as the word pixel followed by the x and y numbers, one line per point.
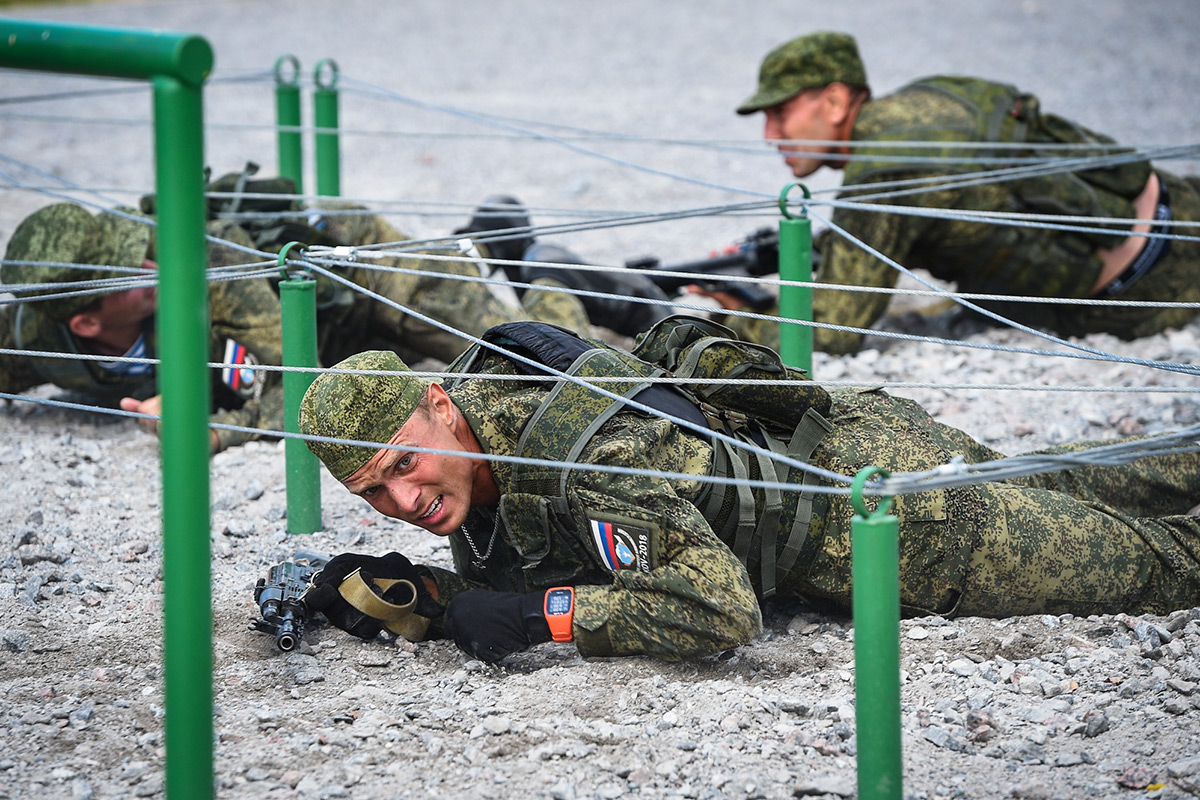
pixel 64 244
pixel 664 565
pixel 419 287
pixel 814 94
pixel 71 273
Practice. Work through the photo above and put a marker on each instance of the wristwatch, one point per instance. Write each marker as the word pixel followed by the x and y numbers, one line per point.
pixel 559 609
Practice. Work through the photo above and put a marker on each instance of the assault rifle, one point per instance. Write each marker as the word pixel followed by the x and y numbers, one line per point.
pixel 755 256
pixel 279 598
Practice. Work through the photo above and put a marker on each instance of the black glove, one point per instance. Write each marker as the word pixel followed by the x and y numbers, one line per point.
pixel 490 625
pixel 324 595
pixel 616 314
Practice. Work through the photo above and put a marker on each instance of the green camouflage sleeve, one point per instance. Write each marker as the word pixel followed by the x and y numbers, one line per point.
pixel 16 373
pixel 695 598
pixel 846 263
pixel 247 311
pixel 464 305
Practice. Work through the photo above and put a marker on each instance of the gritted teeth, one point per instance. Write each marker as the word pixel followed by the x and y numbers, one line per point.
pixel 433 508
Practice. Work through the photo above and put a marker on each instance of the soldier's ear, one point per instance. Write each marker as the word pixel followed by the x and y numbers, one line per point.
pixel 85 325
pixel 836 102
pixel 439 404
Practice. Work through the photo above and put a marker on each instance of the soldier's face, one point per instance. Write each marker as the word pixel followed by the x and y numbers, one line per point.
pixel 801 118
pixel 429 490
pixel 128 306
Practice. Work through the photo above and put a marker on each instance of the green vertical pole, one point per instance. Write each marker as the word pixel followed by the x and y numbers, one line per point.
pixel 325 113
pixel 287 120
pixel 875 573
pixel 177 65
pixel 795 302
pixel 186 392
pixel 298 298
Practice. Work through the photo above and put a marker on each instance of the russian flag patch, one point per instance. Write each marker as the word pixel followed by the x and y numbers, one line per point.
pixel 622 544
pixel 235 375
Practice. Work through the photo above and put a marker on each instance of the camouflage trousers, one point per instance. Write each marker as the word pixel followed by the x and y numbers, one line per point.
pixel 1086 540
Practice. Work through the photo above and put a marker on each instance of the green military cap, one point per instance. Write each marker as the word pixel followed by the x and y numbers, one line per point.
pixel 65 233
pixel 809 62
pixel 364 408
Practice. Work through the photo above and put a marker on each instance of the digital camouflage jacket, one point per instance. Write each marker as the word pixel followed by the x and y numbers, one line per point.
pixel 657 571
pixel 976 256
pixel 244 316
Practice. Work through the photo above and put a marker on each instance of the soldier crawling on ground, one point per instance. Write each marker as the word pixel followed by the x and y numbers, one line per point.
pixel 659 564
pixel 817 103
pixel 245 314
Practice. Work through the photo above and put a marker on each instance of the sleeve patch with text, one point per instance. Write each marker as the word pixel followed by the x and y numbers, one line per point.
pixel 622 545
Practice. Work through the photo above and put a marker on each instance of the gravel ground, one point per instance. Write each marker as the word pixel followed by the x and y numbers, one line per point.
pixel 1031 707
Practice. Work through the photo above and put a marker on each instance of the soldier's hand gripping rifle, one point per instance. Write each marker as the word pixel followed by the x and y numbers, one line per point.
pixel 279 598
pixel 361 594
pixel 755 256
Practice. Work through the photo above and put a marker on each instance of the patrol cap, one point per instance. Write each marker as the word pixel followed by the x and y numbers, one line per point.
pixel 365 408
pixel 65 233
pixel 808 62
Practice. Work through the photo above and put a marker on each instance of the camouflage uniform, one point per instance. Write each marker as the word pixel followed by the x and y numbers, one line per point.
pixel 352 322
pixel 977 257
pixel 994 259
pixel 243 313
pixel 1084 541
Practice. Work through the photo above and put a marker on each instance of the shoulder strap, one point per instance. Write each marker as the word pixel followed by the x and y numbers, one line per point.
pixel 570 415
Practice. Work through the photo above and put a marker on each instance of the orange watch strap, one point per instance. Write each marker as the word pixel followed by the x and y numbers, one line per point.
pixel 558 606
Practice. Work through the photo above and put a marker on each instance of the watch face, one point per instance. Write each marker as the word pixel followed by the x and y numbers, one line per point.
pixel 558 602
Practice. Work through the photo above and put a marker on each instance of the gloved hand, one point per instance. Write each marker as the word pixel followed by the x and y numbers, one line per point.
pixel 324 595
pixel 490 625
pixel 616 314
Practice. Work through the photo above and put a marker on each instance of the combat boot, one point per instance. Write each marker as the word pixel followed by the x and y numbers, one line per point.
pixel 506 216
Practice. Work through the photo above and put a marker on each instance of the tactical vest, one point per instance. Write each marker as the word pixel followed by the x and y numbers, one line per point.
pixel 781 419
pixel 1001 113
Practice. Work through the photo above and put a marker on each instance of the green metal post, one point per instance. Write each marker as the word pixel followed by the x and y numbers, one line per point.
pixel 186 391
pixel 287 119
pixel 795 302
pixel 298 297
pixel 325 113
pixel 875 572
pixel 177 65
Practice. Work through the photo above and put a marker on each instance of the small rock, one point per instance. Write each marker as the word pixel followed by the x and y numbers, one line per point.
pixel 1136 778
pixel 15 641
pixel 1097 723
pixel 840 785
pixel 497 725
pixel 1185 773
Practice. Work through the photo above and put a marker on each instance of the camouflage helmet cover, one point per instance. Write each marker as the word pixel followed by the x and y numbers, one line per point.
pixel 65 233
pixel 365 408
pixel 808 62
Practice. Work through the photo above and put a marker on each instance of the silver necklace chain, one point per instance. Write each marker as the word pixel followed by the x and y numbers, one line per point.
pixel 477 562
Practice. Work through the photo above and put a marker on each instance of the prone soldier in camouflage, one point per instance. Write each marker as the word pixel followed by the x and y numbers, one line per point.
pixel 351 321
pixel 244 318
pixel 815 88
pixel 244 314
pixel 661 566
